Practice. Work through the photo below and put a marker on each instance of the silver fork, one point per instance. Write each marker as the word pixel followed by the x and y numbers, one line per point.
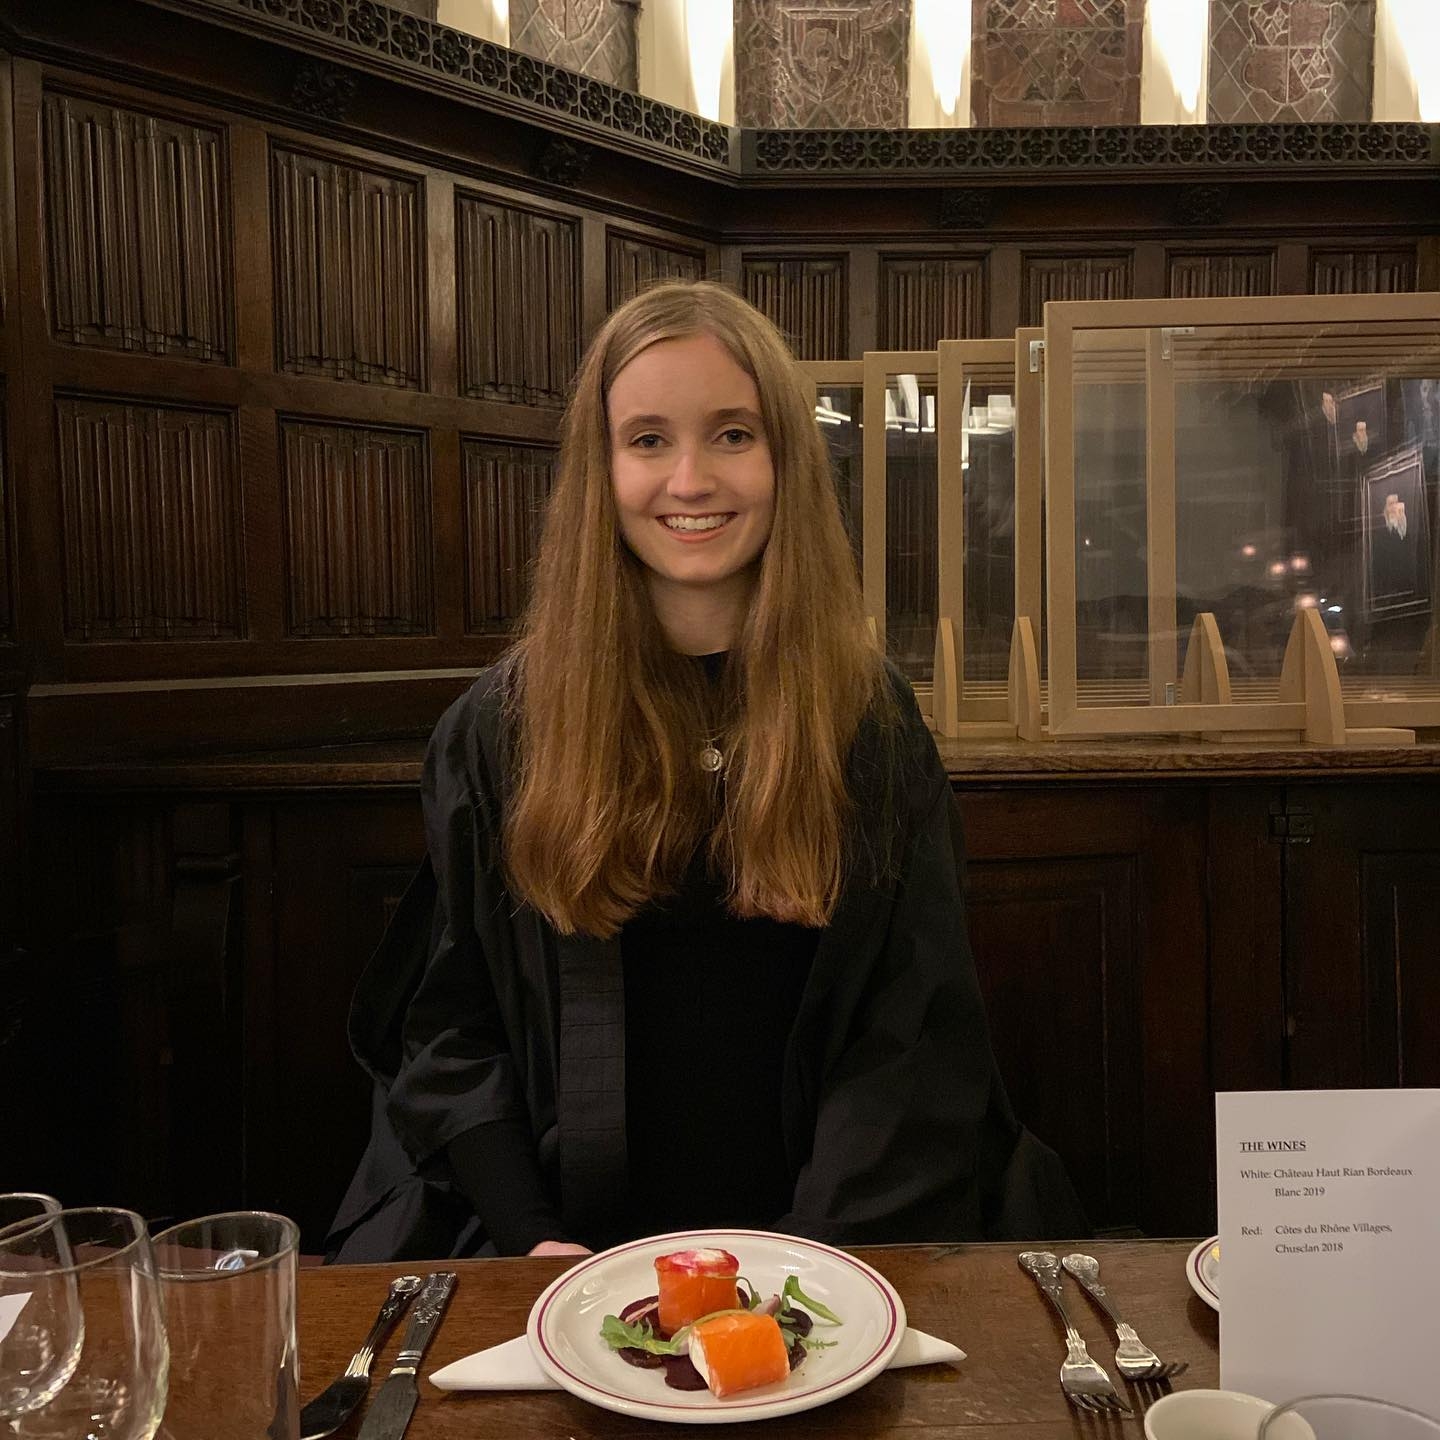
pixel 1134 1359
pixel 1084 1381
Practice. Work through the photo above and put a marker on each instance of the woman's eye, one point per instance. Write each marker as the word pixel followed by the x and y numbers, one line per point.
pixel 735 436
pixel 646 441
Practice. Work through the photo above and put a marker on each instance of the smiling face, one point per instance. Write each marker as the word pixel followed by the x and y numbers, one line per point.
pixel 694 483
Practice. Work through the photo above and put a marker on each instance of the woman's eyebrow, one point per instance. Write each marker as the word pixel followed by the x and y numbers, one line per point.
pixel 736 412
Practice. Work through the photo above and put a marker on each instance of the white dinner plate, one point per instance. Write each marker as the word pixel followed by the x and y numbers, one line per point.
pixel 564 1327
pixel 1202 1270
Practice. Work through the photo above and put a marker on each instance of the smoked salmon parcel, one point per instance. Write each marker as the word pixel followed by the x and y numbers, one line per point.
pixel 739 1351
pixel 693 1283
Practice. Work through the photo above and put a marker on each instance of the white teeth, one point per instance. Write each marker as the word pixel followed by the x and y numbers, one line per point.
pixel 694 522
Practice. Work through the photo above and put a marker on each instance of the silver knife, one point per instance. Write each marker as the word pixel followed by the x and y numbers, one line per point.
pixel 390 1414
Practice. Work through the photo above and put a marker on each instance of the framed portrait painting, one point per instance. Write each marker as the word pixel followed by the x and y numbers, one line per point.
pixel 1397 536
pixel 1360 430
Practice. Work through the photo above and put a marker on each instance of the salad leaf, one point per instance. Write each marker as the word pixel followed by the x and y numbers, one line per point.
pixel 810 1343
pixel 619 1335
pixel 792 1291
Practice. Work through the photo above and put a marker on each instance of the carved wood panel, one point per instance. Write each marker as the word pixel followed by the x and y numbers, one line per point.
pixel 633 264
pixel 1209 274
pixel 807 300
pixel 137 230
pixel 1362 272
pixel 519 288
pixel 924 300
pixel 595 37
pixel 1072 277
pixel 349 247
pixel 1307 61
pixel 807 66
pixel 357 530
pixel 150 503
pixel 506 487
pixel 1042 64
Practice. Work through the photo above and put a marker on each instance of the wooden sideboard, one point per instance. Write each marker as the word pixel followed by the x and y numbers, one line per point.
pixel 1151 923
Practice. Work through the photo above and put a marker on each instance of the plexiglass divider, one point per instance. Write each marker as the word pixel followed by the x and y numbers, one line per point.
pixel 977 560
pixel 1240 515
pixel 898 559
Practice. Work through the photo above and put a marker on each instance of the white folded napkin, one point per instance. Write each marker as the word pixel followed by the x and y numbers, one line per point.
pixel 511 1366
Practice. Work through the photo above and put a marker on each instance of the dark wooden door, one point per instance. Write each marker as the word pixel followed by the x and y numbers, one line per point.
pixel 1087 915
pixel 1362 916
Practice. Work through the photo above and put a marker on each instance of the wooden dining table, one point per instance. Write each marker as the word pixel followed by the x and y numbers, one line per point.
pixel 975 1296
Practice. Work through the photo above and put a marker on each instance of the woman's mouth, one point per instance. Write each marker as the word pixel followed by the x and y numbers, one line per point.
pixel 696 524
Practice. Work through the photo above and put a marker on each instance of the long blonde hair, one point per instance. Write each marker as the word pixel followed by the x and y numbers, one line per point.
pixel 610 801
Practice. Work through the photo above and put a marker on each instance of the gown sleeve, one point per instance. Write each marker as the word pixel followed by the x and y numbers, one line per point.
pixel 912 1131
pixel 458 1089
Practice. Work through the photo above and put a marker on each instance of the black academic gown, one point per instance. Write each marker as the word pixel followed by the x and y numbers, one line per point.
pixel 474 1011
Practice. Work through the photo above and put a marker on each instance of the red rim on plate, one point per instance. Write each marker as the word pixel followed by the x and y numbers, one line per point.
pixel 874 1359
pixel 1198 1280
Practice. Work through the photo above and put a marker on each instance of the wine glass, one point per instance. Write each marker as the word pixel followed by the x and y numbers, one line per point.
pixel 85 1357
pixel 1345 1417
pixel 19 1207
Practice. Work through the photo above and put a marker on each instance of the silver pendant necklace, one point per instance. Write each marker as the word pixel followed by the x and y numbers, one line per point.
pixel 712 761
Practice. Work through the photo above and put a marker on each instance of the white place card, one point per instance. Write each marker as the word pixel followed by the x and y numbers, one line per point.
pixel 1329 1243
pixel 10 1308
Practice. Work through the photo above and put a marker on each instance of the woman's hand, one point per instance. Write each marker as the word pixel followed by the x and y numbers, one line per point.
pixel 558 1247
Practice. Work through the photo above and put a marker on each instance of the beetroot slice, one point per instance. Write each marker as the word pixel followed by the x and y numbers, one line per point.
pixel 641 1359
pixel 681 1374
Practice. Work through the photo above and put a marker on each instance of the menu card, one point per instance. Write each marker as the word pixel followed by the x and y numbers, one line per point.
pixel 1329 1243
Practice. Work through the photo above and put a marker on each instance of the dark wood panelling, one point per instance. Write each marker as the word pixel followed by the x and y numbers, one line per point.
pixel 1083 1018
pixel 806 298
pixel 349 248
pixel 506 487
pixel 1362 272
pixel 337 869
pixel 1087 919
pixel 99 1023
pixel 632 264
pixel 7 602
pixel 519 285
pixel 357 522
pixel 1214 273
pixel 1072 277
pixel 1362 901
pixel 137 229
pixel 151 510
pixel 924 300
pixel 13 857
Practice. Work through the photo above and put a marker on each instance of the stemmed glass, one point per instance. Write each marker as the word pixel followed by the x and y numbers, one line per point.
pixel 85 1356
pixel 19 1206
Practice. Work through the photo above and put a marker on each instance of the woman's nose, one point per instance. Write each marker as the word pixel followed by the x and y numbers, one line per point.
pixel 688 479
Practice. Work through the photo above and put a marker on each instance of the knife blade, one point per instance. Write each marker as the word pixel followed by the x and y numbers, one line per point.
pixel 390 1414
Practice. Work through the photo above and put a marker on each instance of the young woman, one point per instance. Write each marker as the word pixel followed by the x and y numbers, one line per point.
pixel 689 947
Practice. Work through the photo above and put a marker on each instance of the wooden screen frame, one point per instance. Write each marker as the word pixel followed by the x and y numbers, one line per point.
pixel 1156 321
